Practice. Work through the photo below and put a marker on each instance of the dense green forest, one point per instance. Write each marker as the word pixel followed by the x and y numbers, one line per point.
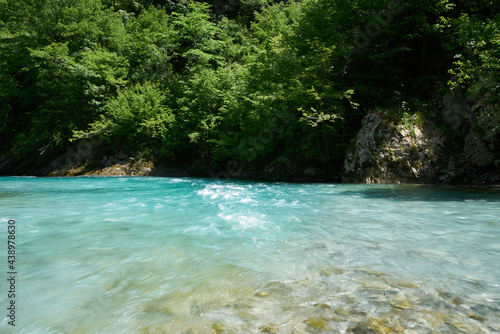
pixel 231 83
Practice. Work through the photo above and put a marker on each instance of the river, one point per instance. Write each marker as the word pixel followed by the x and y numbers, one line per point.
pixel 194 255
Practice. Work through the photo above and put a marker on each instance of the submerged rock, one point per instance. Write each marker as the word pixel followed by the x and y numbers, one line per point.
pixel 322 306
pixel 379 327
pixel 407 285
pixel 328 271
pixel 262 294
pixel 271 329
pixel 342 311
pixel 433 318
pixel 375 326
pixel 476 316
pixel 469 327
pixel 401 304
pixel 317 323
pixel 219 328
pixel 456 301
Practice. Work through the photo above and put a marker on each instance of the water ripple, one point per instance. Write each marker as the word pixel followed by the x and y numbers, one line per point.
pixel 187 255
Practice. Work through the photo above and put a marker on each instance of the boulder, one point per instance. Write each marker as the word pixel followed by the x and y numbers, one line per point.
pixel 387 152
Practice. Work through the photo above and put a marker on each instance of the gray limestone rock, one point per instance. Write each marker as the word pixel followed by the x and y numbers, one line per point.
pixel 455 110
pixel 386 152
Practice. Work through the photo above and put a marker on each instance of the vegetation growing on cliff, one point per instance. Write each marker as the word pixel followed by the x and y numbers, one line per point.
pixel 206 82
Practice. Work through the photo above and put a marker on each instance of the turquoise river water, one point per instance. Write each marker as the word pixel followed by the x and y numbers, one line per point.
pixel 189 255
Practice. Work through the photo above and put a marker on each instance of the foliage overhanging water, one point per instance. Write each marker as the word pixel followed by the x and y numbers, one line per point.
pixel 187 255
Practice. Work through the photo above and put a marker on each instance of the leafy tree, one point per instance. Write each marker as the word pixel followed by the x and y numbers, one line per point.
pixel 137 118
pixel 195 35
pixel 215 80
pixel 61 67
pixel 296 101
pixel 150 46
pixel 207 110
pixel 477 71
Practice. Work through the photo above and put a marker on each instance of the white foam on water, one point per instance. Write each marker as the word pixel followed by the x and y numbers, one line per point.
pixel 243 222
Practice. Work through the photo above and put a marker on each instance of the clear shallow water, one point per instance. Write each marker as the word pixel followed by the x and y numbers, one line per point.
pixel 187 255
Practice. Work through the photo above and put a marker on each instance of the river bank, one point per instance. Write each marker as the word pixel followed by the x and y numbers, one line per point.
pixel 376 170
pixel 441 148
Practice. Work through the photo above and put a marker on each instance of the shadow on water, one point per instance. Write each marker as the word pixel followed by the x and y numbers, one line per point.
pixel 429 193
pixel 11 194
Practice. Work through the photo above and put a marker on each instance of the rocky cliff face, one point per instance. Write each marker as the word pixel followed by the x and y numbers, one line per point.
pixel 463 150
